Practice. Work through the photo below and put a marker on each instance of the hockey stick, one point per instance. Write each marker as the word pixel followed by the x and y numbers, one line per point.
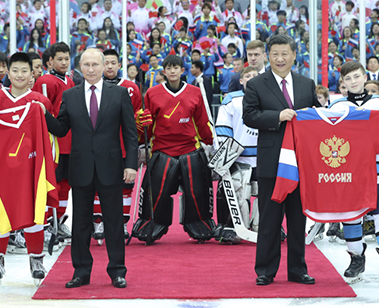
pixel 136 202
pixel 230 194
pixel 311 235
pixel 54 234
pixel 149 237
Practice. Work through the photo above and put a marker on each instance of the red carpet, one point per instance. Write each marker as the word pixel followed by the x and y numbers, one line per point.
pixel 177 268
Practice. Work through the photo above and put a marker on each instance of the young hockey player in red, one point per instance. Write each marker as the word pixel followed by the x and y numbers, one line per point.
pixel 180 123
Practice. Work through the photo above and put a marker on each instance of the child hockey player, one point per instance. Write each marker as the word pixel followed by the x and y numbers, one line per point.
pixel 354 77
pixel 229 124
pixel 180 123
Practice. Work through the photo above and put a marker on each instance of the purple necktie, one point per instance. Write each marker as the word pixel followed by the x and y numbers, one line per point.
pixel 285 93
pixel 93 109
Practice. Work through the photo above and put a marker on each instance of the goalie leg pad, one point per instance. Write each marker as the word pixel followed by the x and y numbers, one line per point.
pixel 164 177
pixel 223 213
pixel 202 230
pixel 197 187
pixel 142 228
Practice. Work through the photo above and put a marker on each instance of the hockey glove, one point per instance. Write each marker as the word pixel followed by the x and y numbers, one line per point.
pixel 143 119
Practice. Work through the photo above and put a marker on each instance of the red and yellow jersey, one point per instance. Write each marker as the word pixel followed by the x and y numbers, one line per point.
pixel 55 87
pixel 180 120
pixel 28 182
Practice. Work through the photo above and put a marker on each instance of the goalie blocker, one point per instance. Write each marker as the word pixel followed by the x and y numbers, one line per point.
pixel 191 173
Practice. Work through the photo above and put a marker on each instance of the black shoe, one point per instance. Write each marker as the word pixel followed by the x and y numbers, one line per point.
pixel 304 279
pixel 77 282
pixel 119 282
pixel 263 280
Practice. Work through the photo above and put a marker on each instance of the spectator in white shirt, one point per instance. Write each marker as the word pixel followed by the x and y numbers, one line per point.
pixel 140 18
pixel 108 12
pixel 232 38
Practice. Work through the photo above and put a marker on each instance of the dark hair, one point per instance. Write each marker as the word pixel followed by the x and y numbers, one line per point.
pixel 112 32
pixel 196 51
pixel 58 47
pixel 153 56
pixel 206 5
pixel 3 58
pixel 77 60
pixel 376 11
pixel 172 60
pixel 89 6
pixel 276 32
pixel 160 9
pixel 281 39
pixel 350 2
pixel 198 64
pixel 238 59
pixel 21 57
pixel 33 56
pixel 372 57
pixel 356 22
pixel 229 24
pixel 351 66
pixel 111 52
pixel 151 40
pixel 6 26
pixel 40 42
pixel 371 34
pixel 339 57
pixel 306 11
pixel 130 65
pixel 232 45
pixel 46 56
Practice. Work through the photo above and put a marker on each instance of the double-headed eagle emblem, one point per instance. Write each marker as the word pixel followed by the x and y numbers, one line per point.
pixel 334 151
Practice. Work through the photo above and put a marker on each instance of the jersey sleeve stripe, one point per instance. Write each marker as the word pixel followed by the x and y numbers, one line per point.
pixel 224 131
pixel 287 157
pixel 249 151
pixel 288 172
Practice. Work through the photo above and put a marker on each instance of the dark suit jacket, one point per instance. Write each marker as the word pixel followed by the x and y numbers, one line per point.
pixel 208 89
pixel 98 147
pixel 369 76
pixel 262 104
pixel 235 84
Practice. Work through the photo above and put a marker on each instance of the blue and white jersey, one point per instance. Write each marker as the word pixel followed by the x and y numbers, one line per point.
pixel 230 124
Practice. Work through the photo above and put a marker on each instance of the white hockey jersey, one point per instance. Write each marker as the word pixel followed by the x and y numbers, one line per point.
pixel 230 124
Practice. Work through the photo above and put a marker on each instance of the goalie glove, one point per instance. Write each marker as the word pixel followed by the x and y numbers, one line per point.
pixel 143 119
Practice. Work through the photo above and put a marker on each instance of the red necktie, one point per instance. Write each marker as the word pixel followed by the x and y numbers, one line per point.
pixel 93 108
pixel 285 93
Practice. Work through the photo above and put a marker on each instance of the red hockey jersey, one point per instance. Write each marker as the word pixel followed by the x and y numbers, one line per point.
pixel 134 93
pixel 8 101
pixel 28 180
pixel 55 87
pixel 331 155
pixel 180 119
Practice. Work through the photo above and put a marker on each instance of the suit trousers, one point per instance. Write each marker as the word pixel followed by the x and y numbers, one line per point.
pixel 269 242
pixel 82 224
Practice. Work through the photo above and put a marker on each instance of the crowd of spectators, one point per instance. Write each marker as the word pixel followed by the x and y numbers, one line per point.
pixel 218 32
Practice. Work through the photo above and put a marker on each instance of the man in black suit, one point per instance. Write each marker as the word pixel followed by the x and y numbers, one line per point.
pixel 256 56
pixel 373 68
pixel 95 111
pixel 197 68
pixel 270 100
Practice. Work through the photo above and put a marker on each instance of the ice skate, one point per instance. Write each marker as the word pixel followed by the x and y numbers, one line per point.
pixel 225 234
pixel 315 233
pixel 17 243
pixel 2 268
pixel 37 270
pixel 47 237
pixel 354 272
pixel 332 231
pixel 64 233
pixel 98 232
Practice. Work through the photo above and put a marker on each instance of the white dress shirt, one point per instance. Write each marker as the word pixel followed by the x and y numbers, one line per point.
pixel 289 85
pixel 88 93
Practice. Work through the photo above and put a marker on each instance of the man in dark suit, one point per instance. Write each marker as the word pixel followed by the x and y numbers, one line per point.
pixel 270 100
pixel 373 68
pixel 256 56
pixel 95 111
pixel 197 68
